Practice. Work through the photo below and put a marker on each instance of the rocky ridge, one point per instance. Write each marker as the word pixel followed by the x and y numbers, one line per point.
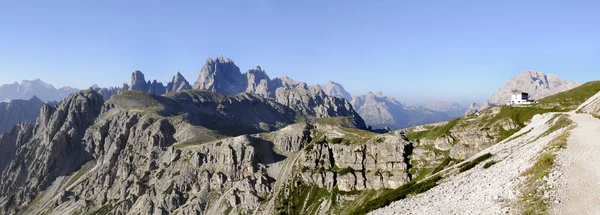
pixel 141 153
pixel 381 111
pixel 19 111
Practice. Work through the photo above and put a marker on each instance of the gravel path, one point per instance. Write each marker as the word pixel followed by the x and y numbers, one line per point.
pixel 479 190
pixel 578 190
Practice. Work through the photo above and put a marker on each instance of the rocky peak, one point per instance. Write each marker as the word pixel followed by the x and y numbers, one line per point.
pixel 336 89
pixel 536 83
pixel 138 81
pixel 221 76
pixel 178 83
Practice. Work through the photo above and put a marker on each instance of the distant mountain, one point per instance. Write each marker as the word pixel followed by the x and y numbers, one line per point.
pixel 381 111
pixel 19 111
pixel 27 89
pixel 221 75
pixel 536 83
pixel 138 83
pixel 336 89
pixel 450 108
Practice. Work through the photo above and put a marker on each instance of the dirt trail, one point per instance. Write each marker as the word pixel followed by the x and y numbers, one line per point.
pixel 579 167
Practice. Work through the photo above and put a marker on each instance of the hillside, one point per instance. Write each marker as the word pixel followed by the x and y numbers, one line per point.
pixel 462 137
pixel 536 83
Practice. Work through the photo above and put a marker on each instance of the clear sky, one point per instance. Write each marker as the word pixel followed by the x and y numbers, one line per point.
pixel 413 50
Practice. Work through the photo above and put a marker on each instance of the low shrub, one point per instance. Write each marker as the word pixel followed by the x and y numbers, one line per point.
pixel 399 193
pixel 489 164
pixel 469 165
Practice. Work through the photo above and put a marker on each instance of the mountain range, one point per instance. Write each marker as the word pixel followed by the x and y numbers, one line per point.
pixel 245 143
pixel 28 89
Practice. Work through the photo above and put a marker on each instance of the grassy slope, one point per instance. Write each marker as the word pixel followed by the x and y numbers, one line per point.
pixel 492 119
pixel 570 100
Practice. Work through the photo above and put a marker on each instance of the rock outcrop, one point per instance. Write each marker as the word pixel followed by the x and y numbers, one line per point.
pixel 381 111
pixel 19 111
pixel 536 83
pixel 28 89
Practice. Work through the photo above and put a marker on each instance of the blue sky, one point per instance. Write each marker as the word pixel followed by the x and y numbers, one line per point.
pixel 413 50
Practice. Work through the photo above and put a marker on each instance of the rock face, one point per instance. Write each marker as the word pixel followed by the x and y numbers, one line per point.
pixel 223 76
pixel 141 153
pixel 337 90
pixel 591 106
pixel 381 111
pixel 19 111
pixel 51 151
pixel 27 89
pixel 536 83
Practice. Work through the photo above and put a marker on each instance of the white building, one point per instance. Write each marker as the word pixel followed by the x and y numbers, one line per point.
pixel 519 98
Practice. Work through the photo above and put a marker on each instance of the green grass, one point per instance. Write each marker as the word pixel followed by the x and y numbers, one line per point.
pixel 196 143
pixel 336 140
pixel 442 130
pixel 558 122
pixel 469 165
pixel 302 199
pixel 571 99
pixel 442 165
pixel 519 115
pixel 518 136
pixel 531 199
pixel 400 193
pixel 345 171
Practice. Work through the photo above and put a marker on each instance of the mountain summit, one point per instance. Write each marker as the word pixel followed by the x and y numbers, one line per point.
pixel 536 83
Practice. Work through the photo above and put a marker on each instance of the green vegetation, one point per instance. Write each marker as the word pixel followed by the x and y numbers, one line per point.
pixel 571 99
pixel 169 189
pixel 531 200
pixel 104 210
pixel 489 164
pixel 520 135
pixel 469 165
pixel 442 165
pixel 345 171
pixel 302 199
pixel 196 143
pixel 442 130
pixel 397 194
pixel 563 121
pixel 336 140
pixel 343 121
pixel 519 115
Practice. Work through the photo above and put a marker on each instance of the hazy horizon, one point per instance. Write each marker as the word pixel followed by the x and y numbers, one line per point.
pixel 459 51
